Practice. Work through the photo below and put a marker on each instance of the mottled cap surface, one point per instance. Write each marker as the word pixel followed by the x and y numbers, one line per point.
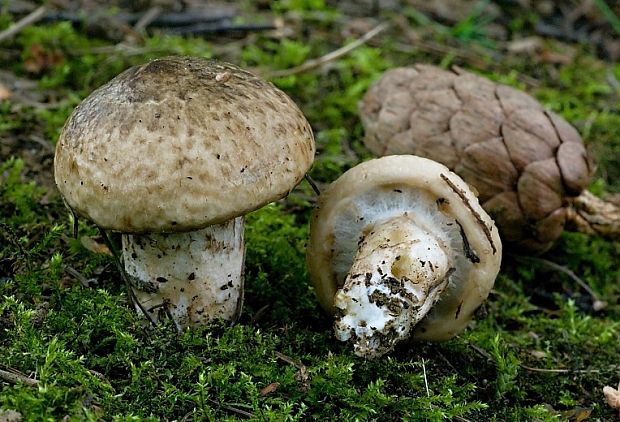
pixel 178 144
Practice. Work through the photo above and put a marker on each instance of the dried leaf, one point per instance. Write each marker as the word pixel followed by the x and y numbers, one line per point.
pixel 527 45
pixel 269 389
pixel 579 414
pixel 38 59
pixel 94 246
pixel 5 93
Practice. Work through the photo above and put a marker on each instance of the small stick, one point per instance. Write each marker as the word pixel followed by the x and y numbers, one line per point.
pixel 219 27
pixel 14 378
pixel 484 354
pixel 41 141
pixel 334 55
pixel 598 304
pixel 312 184
pixel 259 314
pixel 76 226
pixel 428 393
pixel 289 360
pixel 34 16
pixel 481 352
pixel 166 20
pixel 233 409
pixel 86 282
pixel 148 18
pixel 560 371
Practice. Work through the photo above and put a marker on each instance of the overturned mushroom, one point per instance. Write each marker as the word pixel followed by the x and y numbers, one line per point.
pixel 400 248
pixel 172 154
pixel 528 164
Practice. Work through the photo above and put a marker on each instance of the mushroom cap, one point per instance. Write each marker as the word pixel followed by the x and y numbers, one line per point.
pixel 383 188
pixel 178 144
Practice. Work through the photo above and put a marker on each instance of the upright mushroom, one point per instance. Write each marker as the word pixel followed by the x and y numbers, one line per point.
pixel 528 164
pixel 173 153
pixel 399 248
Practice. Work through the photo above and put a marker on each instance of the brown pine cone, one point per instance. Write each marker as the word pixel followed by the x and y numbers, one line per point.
pixel 528 164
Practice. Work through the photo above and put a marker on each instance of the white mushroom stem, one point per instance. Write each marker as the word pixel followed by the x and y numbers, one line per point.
pixel 193 277
pixel 399 272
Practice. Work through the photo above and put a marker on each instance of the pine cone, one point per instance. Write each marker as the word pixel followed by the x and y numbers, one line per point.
pixel 528 164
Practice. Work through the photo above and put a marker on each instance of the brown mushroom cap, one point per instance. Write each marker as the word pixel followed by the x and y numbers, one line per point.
pixel 178 144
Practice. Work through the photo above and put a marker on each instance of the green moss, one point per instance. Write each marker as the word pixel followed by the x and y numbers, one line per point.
pixel 539 352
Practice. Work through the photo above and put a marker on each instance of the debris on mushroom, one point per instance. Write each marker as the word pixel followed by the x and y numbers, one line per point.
pixel 528 164
pixel 400 248
pixel 172 154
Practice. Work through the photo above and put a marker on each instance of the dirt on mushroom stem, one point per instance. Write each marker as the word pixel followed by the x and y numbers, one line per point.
pixel 399 272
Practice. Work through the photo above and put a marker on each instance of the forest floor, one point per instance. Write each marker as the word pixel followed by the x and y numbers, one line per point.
pixel 71 348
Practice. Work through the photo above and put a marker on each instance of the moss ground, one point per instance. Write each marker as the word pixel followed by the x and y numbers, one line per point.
pixel 539 351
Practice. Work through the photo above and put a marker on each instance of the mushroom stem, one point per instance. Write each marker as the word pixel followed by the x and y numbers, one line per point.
pixel 399 272
pixel 192 277
pixel 593 215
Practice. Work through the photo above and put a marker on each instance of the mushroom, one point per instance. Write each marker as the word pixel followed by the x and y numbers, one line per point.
pixel 172 154
pixel 400 248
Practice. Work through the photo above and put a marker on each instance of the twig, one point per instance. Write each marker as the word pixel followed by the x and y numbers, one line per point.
pixel 120 48
pixel 86 282
pixel 312 184
pixel 14 378
pixel 259 314
pixel 41 141
pixel 598 304
pixel 34 16
pixel 561 371
pixel 219 27
pixel 75 218
pixel 428 393
pixel 289 360
pixel 334 55
pixel 147 18
pixel 486 355
pixel 233 409
pixel 481 352
pixel 166 20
